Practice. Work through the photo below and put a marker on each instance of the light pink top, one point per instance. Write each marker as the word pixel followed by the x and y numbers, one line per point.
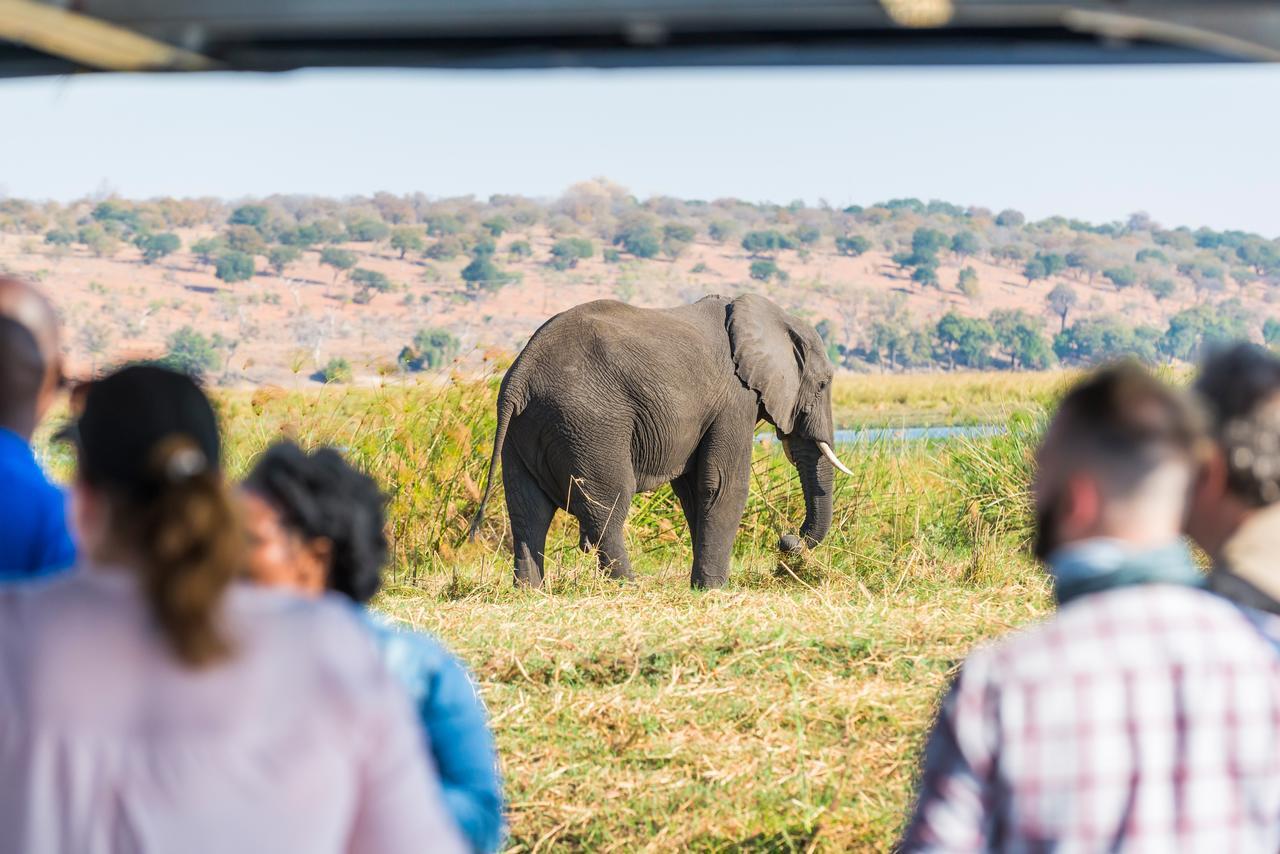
pixel 301 742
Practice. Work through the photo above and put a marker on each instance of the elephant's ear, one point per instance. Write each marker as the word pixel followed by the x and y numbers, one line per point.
pixel 766 356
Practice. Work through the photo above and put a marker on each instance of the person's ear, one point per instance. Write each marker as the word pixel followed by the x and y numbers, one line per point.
pixel 1081 507
pixel 313 565
pixel 1210 479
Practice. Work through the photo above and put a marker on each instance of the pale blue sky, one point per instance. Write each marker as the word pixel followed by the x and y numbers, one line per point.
pixel 1190 145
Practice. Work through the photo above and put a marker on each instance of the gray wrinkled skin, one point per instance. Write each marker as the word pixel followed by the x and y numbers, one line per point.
pixel 607 401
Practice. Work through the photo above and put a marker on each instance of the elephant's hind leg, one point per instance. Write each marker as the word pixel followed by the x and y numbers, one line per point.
pixel 601 525
pixel 531 513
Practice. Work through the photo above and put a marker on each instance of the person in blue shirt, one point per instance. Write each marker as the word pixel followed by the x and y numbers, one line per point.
pixel 316 524
pixel 34 539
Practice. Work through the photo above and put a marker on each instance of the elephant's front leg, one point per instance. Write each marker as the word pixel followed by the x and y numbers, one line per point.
pixel 722 481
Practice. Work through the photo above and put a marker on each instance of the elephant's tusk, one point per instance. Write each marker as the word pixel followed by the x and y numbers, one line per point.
pixel 831 455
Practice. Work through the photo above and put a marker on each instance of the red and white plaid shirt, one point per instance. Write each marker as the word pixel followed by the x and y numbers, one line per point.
pixel 1142 718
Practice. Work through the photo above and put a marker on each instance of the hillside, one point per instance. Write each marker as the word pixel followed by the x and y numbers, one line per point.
pixel 877 280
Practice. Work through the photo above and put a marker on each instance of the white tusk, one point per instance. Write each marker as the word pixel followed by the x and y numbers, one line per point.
pixel 831 455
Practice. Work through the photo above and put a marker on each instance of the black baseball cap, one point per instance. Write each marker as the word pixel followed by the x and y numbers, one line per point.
pixel 130 414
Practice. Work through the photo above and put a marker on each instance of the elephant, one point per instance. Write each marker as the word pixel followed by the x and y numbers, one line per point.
pixel 608 400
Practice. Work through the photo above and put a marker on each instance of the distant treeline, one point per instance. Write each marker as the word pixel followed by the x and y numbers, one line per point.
pixel 1203 277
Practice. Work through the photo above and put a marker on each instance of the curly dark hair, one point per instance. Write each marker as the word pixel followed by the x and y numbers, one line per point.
pixel 320 494
pixel 1240 388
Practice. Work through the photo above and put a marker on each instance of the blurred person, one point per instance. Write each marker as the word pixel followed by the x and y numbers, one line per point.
pixel 316 524
pixel 148 704
pixel 33 527
pixel 1143 714
pixel 1235 514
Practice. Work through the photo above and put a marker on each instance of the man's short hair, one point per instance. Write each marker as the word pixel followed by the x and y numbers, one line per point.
pixel 21 370
pixel 1240 389
pixel 1123 423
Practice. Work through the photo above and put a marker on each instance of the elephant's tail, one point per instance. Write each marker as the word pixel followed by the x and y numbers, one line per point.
pixel 506 409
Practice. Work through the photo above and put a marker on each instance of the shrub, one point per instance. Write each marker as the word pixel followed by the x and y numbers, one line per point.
pixel 611 256
pixel 434 348
pixel 233 266
pixel 770 240
pixel 368 230
pixel 567 251
pixel 280 257
pixel 338 370
pixel 156 246
pixel 765 269
pixel 191 353
pixel 520 249
pixel 852 245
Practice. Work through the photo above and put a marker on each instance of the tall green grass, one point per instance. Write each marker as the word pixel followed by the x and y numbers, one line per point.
pixel 428 444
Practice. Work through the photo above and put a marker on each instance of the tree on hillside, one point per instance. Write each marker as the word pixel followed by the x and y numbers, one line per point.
pixel 407 238
pixel 97 241
pixel 245 238
pixel 965 244
pixel 369 283
pixel 367 229
pixel 639 237
pixel 497 225
pixel 1033 270
pixel 968 283
pixel 519 249
pixel 808 234
pixel 928 242
pixel 1010 218
pixel 207 249
pixel 1192 329
pixel 1122 277
pixel 156 246
pixel 722 230
pixel 191 353
pixel 434 348
pixel 926 275
pixel 482 273
pixel 676 237
pixel 233 266
pixel 567 251
pixel 254 216
pixel 1021 335
pixel 60 237
pixel 764 269
pixel 1085 262
pixel 1099 339
pixel 1161 289
pixel 1061 300
pixel 280 257
pixel 766 241
pixel 341 260
pixel 965 340
pixel 852 245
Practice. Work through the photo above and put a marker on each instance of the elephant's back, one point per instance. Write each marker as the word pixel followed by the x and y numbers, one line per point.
pixel 619 349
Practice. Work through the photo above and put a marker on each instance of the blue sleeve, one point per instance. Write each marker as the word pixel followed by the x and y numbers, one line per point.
pixel 463 748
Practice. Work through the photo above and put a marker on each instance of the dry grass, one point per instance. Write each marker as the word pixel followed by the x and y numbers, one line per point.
pixel 768 717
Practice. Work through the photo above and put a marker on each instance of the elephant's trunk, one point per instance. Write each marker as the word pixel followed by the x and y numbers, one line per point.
pixel 816 475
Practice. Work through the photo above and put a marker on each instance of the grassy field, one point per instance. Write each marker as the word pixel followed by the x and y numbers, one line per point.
pixel 783 713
